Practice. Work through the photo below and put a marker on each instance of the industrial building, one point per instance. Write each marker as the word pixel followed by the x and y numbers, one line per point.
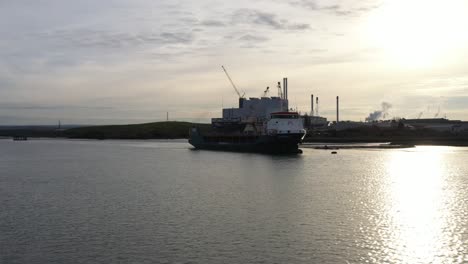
pixel 258 110
pixel 437 124
pixel 255 109
pixel 314 121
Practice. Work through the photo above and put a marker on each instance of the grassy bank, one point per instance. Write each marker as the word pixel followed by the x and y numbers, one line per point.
pixel 157 130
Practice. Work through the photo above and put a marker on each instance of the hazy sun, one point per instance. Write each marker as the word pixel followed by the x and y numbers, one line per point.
pixel 418 33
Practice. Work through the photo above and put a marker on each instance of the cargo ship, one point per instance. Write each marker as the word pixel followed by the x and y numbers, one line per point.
pixel 263 124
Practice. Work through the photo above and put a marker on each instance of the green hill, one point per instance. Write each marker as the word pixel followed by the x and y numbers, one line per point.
pixel 157 130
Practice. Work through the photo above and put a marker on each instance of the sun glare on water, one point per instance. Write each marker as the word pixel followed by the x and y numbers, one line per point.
pixel 419 33
pixel 420 208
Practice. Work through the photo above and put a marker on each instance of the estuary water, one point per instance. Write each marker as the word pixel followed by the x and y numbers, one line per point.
pixel 76 201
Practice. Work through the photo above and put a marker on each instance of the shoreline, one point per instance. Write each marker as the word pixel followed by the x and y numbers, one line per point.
pixel 170 130
pixel 324 145
pixel 327 146
pixel 433 141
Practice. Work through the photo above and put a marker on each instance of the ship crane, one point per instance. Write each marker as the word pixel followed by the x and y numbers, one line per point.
pixel 280 93
pixel 233 85
pixel 265 93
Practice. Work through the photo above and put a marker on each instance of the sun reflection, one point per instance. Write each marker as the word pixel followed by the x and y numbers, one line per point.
pixel 416 205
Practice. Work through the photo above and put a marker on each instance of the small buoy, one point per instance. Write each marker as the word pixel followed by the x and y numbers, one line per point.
pixel 334 152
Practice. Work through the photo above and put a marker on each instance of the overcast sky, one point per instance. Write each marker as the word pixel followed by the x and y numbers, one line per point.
pixel 131 61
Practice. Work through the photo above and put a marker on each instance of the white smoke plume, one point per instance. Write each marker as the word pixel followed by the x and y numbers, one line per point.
pixel 379 114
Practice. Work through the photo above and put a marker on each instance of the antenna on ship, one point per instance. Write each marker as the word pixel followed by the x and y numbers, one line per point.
pixel 232 83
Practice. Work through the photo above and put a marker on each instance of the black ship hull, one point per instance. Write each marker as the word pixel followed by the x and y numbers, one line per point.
pixel 275 144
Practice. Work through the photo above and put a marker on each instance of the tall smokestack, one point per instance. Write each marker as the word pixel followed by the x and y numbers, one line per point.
pixel 337 109
pixel 312 105
pixel 284 88
pixel 285 80
pixel 317 106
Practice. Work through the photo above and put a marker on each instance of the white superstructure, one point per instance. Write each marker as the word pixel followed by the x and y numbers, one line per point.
pixel 285 123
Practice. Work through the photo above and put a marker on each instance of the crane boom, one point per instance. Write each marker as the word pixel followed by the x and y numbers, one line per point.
pixel 232 83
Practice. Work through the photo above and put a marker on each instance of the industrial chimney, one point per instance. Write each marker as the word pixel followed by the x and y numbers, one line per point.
pixel 316 106
pixel 285 88
pixel 312 105
pixel 337 109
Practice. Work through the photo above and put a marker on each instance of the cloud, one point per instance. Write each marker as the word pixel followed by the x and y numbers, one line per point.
pixel 65 48
pixel 5 81
pixel 58 56
pixel 321 57
pixel 49 35
pixel 335 9
pixel 89 38
pixel 212 23
pixel 269 20
pixel 253 38
pixel 176 38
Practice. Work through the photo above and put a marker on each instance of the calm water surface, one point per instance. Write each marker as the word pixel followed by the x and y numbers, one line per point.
pixel 66 201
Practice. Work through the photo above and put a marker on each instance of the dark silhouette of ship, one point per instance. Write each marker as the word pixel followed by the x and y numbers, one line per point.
pixel 259 125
